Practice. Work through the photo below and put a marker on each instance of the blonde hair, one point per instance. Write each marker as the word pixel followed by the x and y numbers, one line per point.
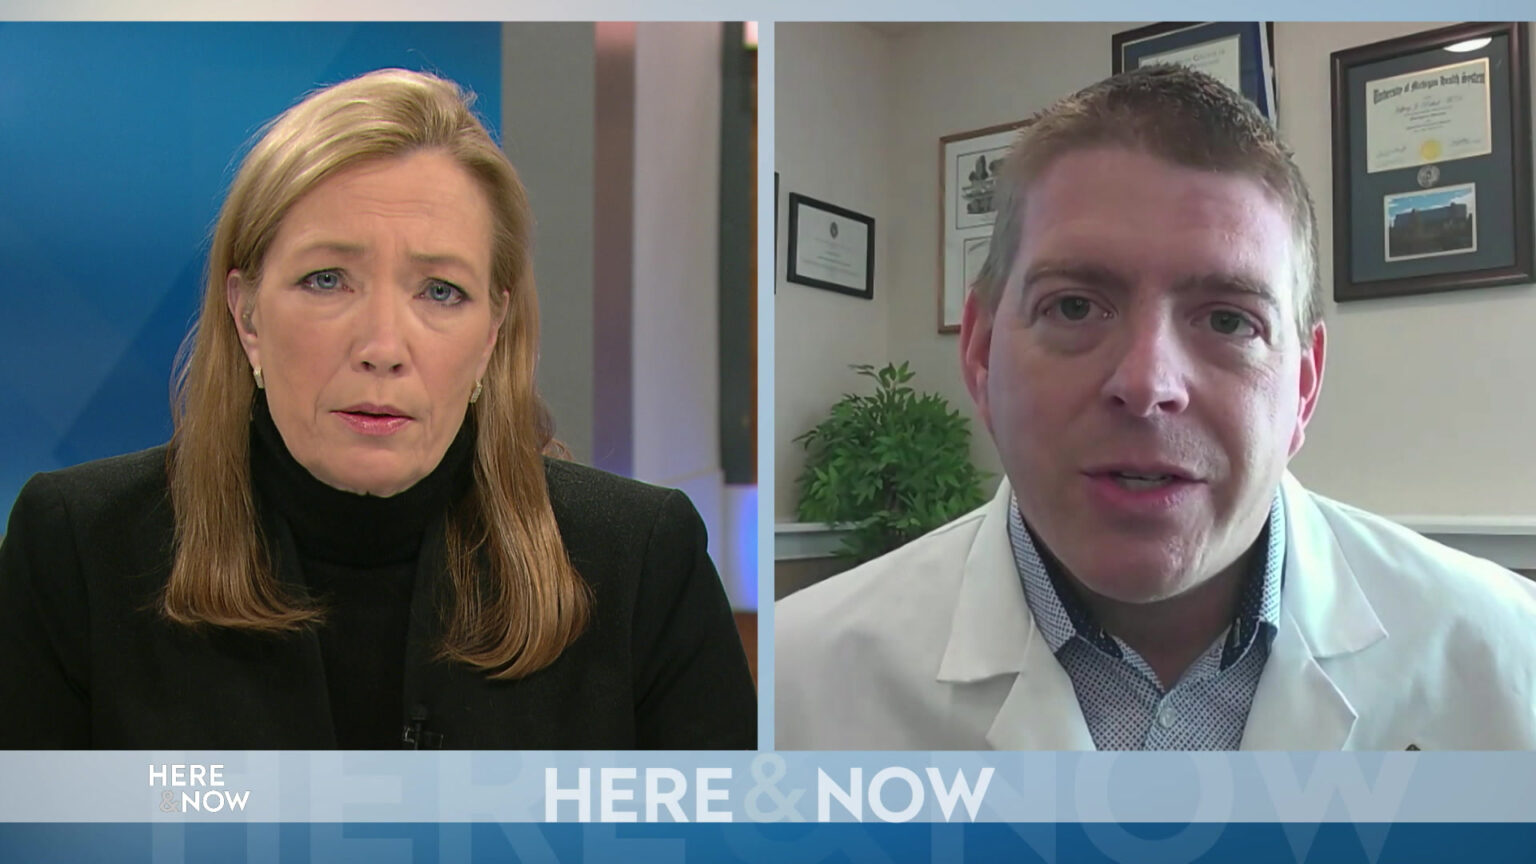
pixel 1185 117
pixel 533 603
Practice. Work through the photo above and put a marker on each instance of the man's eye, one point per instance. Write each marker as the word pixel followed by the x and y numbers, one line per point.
pixel 1071 308
pixel 322 280
pixel 1229 323
pixel 443 292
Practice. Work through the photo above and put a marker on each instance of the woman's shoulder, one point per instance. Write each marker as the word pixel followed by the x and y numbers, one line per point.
pixel 120 490
pixel 596 508
pixel 78 531
pixel 575 485
pixel 130 476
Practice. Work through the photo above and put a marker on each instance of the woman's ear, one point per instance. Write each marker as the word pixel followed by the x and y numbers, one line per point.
pixel 240 297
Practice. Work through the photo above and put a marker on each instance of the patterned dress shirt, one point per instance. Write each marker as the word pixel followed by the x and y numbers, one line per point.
pixel 1121 700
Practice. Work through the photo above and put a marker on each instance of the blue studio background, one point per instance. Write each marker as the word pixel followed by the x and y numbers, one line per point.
pixel 117 143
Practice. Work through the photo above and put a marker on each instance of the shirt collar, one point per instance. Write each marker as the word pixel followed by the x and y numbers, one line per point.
pixel 1061 615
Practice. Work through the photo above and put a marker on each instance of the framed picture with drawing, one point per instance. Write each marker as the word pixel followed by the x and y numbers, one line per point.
pixel 969 163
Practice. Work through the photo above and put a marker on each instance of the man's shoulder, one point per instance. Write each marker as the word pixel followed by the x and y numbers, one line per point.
pixel 1408 575
pixel 875 598
pixel 1457 666
pixel 858 654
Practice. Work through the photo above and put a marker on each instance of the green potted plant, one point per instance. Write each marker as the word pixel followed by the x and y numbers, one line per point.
pixel 889 467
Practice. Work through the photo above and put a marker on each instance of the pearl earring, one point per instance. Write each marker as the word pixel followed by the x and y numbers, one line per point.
pixel 256 373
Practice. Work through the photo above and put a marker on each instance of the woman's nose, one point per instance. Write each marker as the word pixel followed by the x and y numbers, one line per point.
pixel 380 342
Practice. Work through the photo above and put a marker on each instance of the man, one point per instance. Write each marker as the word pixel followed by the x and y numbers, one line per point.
pixel 1145 347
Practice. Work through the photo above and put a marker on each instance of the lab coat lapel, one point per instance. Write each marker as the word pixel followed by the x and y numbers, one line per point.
pixel 1297 706
pixel 1323 614
pixel 1041 710
pixel 992 633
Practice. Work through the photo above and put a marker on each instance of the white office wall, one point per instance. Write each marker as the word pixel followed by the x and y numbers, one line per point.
pixel 833 101
pixel 956 78
pixel 1428 406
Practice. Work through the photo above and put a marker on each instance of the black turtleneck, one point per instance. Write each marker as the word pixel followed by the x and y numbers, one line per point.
pixel 358 555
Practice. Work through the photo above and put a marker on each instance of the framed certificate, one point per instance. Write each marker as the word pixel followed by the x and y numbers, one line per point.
pixel 1432 163
pixel 830 247
pixel 1235 53
pixel 969 163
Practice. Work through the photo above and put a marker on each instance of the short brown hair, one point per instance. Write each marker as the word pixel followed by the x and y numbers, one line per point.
pixel 1177 114
pixel 531 603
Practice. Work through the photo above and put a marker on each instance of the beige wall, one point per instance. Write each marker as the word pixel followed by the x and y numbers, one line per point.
pixel 1427 401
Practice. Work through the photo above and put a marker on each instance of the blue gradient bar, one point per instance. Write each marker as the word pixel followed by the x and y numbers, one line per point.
pixel 1251 843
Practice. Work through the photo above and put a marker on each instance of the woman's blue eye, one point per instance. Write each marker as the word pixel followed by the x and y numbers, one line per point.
pixel 322 280
pixel 442 292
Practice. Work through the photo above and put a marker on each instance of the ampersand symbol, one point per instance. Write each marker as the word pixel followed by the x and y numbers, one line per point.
pixel 768 769
pixel 168 801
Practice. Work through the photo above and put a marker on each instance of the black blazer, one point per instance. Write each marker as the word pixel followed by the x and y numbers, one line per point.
pixel 86 660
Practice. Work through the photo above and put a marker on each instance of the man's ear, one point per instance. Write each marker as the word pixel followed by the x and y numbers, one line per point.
pixel 1311 382
pixel 240 298
pixel 976 350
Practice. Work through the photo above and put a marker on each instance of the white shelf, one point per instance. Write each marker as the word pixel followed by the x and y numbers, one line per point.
pixel 794 541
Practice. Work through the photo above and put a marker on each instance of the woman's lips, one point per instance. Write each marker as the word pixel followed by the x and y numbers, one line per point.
pixel 377 425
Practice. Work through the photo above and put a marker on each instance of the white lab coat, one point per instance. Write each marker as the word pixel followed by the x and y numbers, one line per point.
pixel 1385 640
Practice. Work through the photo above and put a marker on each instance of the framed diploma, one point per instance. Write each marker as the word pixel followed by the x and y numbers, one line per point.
pixel 830 247
pixel 969 163
pixel 1235 53
pixel 1432 163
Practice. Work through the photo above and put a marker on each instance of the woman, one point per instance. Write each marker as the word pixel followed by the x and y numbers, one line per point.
pixel 354 538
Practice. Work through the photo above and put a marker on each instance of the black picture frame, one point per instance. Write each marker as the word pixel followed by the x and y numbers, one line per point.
pixel 1255 42
pixel 1475 228
pixel 797 204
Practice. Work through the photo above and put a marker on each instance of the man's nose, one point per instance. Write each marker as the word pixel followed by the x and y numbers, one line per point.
pixel 1151 371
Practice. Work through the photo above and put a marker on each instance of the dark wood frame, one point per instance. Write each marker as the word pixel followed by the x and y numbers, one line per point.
pixel 1516 151
pixel 796 201
pixel 945 141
